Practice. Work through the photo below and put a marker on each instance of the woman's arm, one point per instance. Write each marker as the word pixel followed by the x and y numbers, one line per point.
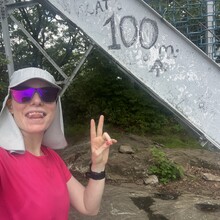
pixel 87 199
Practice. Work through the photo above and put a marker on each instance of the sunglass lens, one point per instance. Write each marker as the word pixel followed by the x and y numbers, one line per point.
pixel 22 96
pixel 48 94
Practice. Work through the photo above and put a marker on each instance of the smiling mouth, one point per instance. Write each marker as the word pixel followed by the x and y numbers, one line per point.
pixel 35 115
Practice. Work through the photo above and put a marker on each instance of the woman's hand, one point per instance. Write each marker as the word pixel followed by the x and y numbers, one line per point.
pixel 100 144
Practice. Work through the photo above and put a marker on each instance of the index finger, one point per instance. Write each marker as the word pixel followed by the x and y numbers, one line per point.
pixel 92 129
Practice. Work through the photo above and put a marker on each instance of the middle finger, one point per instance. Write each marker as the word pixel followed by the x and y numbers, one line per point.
pixel 100 126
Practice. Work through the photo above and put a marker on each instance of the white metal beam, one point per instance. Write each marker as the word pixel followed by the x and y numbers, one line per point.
pixel 155 54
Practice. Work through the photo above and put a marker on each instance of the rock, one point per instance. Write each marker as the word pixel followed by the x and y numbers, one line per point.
pixel 139 182
pixel 126 149
pixel 210 177
pixel 128 197
pixel 151 180
pixel 137 202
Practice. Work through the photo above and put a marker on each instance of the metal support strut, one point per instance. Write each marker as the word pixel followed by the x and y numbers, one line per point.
pixel 6 8
pixel 6 36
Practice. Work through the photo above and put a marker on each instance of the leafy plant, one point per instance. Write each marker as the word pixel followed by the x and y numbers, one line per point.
pixel 100 88
pixel 165 169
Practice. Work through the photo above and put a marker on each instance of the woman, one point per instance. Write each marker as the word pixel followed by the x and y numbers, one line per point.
pixel 34 181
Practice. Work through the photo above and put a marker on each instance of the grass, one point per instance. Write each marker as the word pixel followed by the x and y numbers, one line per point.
pixel 170 139
pixel 177 141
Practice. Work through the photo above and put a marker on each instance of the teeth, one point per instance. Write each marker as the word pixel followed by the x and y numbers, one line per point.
pixel 36 114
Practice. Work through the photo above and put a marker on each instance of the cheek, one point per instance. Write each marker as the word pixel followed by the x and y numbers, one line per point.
pixel 18 117
pixel 52 111
pixel 15 108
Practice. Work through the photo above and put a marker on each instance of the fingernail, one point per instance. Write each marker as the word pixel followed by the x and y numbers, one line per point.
pixel 108 142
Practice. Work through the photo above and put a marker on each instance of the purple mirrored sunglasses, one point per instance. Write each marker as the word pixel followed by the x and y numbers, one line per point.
pixel 23 94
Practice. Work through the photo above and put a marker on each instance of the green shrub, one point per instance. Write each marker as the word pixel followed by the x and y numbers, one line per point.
pixel 101 88
pixel 163 168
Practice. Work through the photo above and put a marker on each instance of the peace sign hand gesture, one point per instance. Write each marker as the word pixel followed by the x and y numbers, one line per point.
pixel 100 144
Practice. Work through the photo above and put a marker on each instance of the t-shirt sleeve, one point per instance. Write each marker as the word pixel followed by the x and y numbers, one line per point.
pixel 1 160
pixel 0 169
pixel 1 163
pixel 65 169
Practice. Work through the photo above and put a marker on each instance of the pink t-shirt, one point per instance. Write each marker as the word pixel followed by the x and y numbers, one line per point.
pixel 33 188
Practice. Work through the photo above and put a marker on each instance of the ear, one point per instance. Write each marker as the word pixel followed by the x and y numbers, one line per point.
pixel 9 105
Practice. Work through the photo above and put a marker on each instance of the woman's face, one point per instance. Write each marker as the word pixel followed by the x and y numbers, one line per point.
pixel 33 117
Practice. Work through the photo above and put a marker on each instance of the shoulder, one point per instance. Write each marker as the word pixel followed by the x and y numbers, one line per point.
pixel 51 153
pixel 4 153
pixel 2 150
pixel 6 157
pixel 47 150
pixel 58 161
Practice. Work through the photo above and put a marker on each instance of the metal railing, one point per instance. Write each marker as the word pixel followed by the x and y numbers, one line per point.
pixel 198 20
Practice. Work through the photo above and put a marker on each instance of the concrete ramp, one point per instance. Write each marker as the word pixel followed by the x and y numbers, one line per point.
pixel 155 54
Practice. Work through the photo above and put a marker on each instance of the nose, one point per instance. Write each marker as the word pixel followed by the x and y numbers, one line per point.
pixel 36 100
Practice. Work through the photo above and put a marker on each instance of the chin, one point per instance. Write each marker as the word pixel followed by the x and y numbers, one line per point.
pixel 36 130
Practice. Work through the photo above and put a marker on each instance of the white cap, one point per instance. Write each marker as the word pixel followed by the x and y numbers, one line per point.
pixel 10 135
